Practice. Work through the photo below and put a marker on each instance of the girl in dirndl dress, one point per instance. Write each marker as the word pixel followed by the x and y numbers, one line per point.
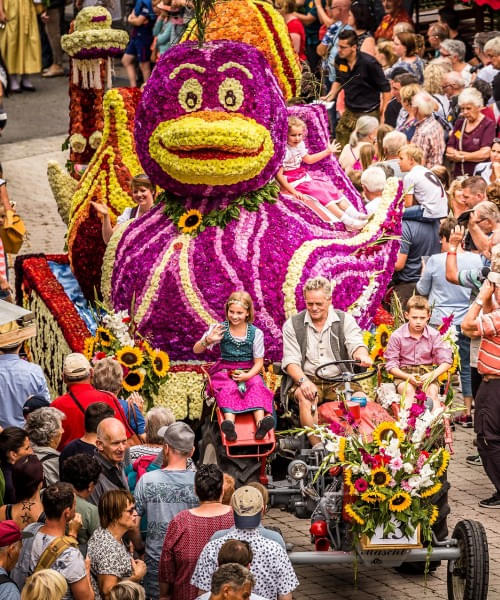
pixel 235 379
pixel 294 179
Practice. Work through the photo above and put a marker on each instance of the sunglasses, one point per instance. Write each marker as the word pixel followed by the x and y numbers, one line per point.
pixel 131 511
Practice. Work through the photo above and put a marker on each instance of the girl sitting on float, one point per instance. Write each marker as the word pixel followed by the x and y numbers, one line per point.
pixel 297 181
pixel 143 194
pixel 235 379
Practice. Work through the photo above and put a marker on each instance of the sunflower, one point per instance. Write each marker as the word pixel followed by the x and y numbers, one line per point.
pixel 367 336
pixel 146 346
pixel 104 336
pixel 376 352
pixel 160 362
pixel 380 477
pixel 350 512
pixel 372 497
pixel 190 221
pixel 400 502
pixel 88 347
pixel 348 482
pixel 130 357
pixel 382 335
pixel 134 380
pixel 443 378
pixel 433 514
pixel 445 459
pixel 384 431
pixel 431 490
pixel 341 452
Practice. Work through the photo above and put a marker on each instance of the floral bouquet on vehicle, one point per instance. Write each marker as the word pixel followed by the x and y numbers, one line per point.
pixel 144 368
pixel 393 478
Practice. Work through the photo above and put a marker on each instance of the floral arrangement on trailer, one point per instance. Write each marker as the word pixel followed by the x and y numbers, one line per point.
pixel 392 478
pixel 145 369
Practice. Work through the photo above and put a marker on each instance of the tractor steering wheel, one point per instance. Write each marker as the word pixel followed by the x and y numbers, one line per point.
pixel 344 377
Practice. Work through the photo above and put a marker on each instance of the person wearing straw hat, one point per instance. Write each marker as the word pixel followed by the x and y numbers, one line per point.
pixel 19 379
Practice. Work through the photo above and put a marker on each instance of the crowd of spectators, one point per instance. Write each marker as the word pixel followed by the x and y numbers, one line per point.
pixel 115 520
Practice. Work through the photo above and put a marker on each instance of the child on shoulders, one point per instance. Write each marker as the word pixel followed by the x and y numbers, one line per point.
pixel 425 199
pixel 413 351
pixel 294 179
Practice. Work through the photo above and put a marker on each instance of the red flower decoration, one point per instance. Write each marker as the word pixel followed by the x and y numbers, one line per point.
pixel 361 485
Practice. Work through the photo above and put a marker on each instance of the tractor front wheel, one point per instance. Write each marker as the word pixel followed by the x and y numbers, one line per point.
pixel 468 575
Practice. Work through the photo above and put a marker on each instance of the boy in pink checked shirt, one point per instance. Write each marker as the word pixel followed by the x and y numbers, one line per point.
pixel 412 352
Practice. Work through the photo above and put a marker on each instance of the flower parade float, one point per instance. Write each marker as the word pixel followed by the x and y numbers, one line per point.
pixel 210 130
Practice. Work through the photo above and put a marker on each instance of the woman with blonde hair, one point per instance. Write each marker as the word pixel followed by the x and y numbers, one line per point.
pixel 127 590
pixel 46 584
pixel 406 122
pixel 433 85
pixel 384 53
pixel 365 131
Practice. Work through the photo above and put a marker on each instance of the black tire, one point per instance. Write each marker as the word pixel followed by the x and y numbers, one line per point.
pixel 212 451
pixel 468 576
pixel 440 529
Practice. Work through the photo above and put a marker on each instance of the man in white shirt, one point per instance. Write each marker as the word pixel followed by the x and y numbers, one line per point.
pixel 314 337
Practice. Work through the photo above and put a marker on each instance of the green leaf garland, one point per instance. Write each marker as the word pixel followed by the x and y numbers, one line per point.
pixel 175 209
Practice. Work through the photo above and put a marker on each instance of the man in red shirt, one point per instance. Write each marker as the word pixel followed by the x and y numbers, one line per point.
pixel 77 374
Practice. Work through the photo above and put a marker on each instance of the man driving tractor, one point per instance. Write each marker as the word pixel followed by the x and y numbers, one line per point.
pixel 314 337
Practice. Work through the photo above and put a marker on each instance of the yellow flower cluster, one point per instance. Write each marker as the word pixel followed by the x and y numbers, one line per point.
pixel 91 33
pixel 349 511
pixel 63 186
pixel 445 459
pixel 73 43
pixel 77 142
pixel 231 94
pixel 95 139
pixel 94 178
pixel 108 263
pixel 384 432
pixel 431 490
pixel 248 141
pixel 400 502
pixel 182 393
pixel 302 254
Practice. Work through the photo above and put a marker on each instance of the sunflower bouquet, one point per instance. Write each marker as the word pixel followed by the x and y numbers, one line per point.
pixel 391 477
pixel 144 368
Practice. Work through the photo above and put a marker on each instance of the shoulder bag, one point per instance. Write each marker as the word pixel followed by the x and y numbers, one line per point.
pixel 12 232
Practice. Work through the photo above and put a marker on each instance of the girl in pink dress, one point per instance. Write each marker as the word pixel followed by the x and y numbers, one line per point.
pixel 297 181
pixel 235 379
